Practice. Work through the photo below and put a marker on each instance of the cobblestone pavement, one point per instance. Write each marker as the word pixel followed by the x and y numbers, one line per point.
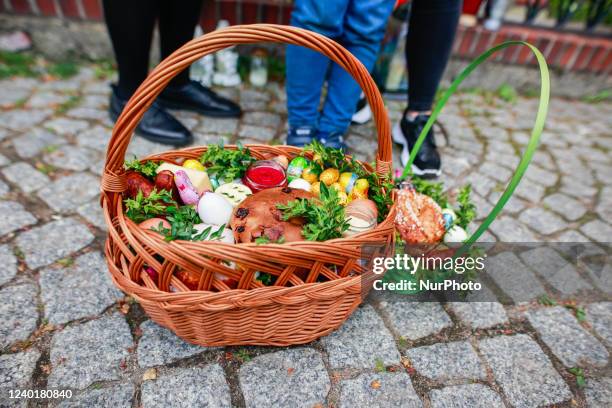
pixel 64 324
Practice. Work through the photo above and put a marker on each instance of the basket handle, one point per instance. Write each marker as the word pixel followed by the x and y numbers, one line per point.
pixel 113 179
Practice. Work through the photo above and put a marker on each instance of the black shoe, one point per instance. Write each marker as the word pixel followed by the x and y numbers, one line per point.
pixel 197 98
pixel 156 124
pixel 300 136
pixel 334 140
pixel 406 132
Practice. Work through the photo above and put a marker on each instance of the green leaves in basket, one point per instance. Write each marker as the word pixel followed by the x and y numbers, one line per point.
pixel 328 157
pixel 325 218
pixel 143 208
pixel 226 164
pixel 182 221
pixel 466 210
pixel 147 168
pixel 431 188
pixel 380 193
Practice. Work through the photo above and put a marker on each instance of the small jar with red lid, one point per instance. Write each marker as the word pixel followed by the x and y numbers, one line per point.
pixel 265 174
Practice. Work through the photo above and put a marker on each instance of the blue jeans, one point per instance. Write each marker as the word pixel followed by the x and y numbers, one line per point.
pixel 359 25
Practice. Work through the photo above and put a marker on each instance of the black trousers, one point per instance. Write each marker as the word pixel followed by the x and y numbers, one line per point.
pixel 431 33
pixel 130 25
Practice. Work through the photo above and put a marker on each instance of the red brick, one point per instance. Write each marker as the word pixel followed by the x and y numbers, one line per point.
pixel 93 9
pixel 70 8
pixel 568 56
pixel 47 7
pixel 249 13
pixel 21 6
pixel 466 43
pixel 596 59
pixel 606 67
pixel 582 60
pixel 458 39
pixel 269 14
pixel 485 41
pixel 555 51
pixel 286 15
pixel 228 11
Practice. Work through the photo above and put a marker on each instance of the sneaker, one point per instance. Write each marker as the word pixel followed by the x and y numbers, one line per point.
pixel 405 133
pixel 333 139
pixel 300 136
pixel 363 113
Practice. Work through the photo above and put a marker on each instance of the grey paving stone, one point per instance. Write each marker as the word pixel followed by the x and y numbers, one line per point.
pixel 19 313
pixel 265 119
pixel 598 231
pixel 9 264
pixel 68 193
pixel 571 236
pixel 568 207
pixel 599 316
pixel 89 352
pixel 447 361
pixel 361 341
pixel 47 100
pixel 542 221
pixel 80 290
pixel 378 390
pixel 480 309
pixel 20 119
pixel 204 139
pixel 414 320
pixel 116 396
pixel 70 157
pixel 598 392
pixel 513 277
pixel 96 138
pixel 541 176
pixel 480 315
pixel 577 188
pixel 17 217
pixel 525 374
pixel 558 272
pixel 87 113
pixel 464 396
pixel 12 97
pixel 66 127
pixel 530 191
pixel 62 237
pixel 260 133
pixel 4 160
pixel 4 188
pixel 26 177
pixel 222 126
pixel 189 387
pixel 159 346
pixel 509 229
pixel 288 378
pixel 561 332
pixel 16 369
pixel 92 212
pixel 140 147
pixel 252 100
pixel 35 141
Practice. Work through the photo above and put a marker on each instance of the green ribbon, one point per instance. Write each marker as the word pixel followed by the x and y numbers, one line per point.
pixel 538 127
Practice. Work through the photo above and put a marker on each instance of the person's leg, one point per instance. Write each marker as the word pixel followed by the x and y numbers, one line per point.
pixel 306 69
pixel 431 32
pixel 364 28
pixel 177 22
pixel 130 26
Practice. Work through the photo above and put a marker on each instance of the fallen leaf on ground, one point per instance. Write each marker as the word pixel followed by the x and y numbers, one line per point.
pixel 375 384
pixel 150 374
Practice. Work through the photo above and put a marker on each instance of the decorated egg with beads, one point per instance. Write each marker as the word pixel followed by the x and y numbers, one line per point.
pixel 449 218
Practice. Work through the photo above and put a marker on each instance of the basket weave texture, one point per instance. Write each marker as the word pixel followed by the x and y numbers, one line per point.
pixel 318 284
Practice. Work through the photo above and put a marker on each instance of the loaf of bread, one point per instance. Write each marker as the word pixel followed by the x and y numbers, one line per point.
pixel 257 216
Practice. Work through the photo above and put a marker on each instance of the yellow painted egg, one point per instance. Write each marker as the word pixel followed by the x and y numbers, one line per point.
pixel 315 188
pixel 329 176
pixel 194 165
pixel 309 176
pixel 362 184
pixel 342 198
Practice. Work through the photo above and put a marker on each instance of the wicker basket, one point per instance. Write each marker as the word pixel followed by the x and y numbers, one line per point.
pixel 318 285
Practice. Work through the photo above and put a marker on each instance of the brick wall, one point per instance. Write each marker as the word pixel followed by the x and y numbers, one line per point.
pixel 564 51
